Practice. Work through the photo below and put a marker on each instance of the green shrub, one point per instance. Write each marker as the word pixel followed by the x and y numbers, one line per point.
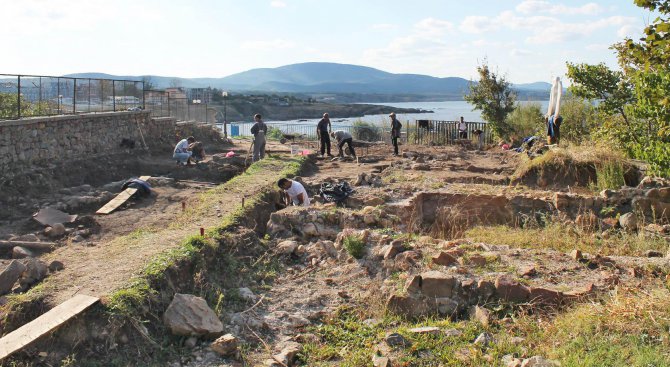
pixel 355 246
pixel 366 131
pixel 526 120
pixel 579 117
pixel 274 133
pixel 609 175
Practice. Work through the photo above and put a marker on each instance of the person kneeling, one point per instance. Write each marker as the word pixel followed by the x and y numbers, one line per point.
pixel 182 151
pixel 295 191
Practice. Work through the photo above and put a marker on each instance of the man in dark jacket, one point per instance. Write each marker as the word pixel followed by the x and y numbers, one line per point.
pixel 396 128
pixel 323 129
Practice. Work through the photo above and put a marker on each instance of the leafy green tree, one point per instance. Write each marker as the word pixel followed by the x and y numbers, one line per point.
pixel 9 106
pixel 526 119
pixel 598 82
pixel 580 118
pixel 494 97
pixel 639 94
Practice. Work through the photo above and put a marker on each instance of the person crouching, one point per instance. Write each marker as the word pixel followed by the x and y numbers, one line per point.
pixel 295 191
pixel 342 138
pixel 182 151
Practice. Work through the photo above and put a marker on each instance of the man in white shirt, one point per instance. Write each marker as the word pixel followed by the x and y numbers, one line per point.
pixel 295 191
pixel 462 129
pixel 182 151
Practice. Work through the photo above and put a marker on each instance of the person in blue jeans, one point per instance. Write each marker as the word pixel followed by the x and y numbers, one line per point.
pixel 182 151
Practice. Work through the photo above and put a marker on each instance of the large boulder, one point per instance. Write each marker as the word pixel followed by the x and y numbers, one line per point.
pixel 10 275
pixel 189 315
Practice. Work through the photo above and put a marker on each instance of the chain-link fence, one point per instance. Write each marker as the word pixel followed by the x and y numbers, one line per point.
pixel 35 95
pixel 163 104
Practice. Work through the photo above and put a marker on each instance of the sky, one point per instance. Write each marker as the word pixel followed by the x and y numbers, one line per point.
pixel 528 40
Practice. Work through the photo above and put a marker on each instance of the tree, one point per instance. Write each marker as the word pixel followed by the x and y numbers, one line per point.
pixel 639 94
pixel 148 83
pixel 494 97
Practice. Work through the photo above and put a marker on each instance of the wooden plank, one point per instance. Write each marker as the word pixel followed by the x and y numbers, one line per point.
pixel 117 201
pixel 120 199
pixel 41 326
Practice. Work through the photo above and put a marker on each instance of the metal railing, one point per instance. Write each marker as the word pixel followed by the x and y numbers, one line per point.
pixel 162 104
pixel 447 132
pixel 38 95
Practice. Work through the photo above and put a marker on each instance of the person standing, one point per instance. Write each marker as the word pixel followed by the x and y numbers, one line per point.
pixel 295 191
pixel 462 129
pixel 396 128
pixel 323 130
pixel 259 130
pixel 342 138
pixel 182 151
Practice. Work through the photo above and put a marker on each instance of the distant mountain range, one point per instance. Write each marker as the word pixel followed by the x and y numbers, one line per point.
pixel 320 77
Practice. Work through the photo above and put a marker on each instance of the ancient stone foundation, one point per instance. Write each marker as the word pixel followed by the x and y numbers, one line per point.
pixel 57 139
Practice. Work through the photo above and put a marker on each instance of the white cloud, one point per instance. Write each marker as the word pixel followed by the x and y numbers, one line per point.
pixel 627 31
pixel 424 49
pixel 433 27
pixel 478 24
pixel 277 4
pixel 539 6
pixel 545 29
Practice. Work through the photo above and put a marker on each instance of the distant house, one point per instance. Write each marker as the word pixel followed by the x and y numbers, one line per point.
pixel 179 93
pixel 204 95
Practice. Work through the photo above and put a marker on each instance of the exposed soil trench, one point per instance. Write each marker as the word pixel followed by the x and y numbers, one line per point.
pixel 278 279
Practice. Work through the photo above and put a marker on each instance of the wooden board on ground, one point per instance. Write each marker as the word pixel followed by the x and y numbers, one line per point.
pixel 41 326
pixel 120 199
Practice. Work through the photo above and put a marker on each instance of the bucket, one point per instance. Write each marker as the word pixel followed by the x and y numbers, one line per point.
pixel 294 149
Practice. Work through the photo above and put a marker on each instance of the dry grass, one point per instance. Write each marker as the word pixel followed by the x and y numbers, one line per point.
pixel 630 328
pixel 565 238
pixel 568 157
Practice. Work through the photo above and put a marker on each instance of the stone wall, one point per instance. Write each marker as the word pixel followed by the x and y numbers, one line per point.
pixel 56 139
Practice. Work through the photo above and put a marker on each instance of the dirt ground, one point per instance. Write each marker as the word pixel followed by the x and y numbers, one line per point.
pixel 313 284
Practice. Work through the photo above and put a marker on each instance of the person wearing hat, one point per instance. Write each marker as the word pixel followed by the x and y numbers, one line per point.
pixel 323 129
pixel 396 127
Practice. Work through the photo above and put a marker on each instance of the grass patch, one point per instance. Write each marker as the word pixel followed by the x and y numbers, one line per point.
pixel 354 245
pixel 565 238
pixel 609 175
pixel 128 300
pixel 570 158
pixel 630 328
pixel 345 340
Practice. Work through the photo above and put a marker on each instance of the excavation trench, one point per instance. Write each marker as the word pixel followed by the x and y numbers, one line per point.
pixel 230 255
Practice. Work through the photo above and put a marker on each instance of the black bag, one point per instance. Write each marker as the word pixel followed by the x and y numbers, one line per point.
pixel 335 193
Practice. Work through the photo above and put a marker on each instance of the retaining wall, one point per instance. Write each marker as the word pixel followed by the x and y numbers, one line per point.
pixel 57 139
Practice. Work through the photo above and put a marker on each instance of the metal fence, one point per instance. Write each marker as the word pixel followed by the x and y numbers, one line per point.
pixel 162 104
pixel 37 95
pixel 446 132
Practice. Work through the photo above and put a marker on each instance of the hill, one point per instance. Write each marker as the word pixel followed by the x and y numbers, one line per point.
pixel 321 77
